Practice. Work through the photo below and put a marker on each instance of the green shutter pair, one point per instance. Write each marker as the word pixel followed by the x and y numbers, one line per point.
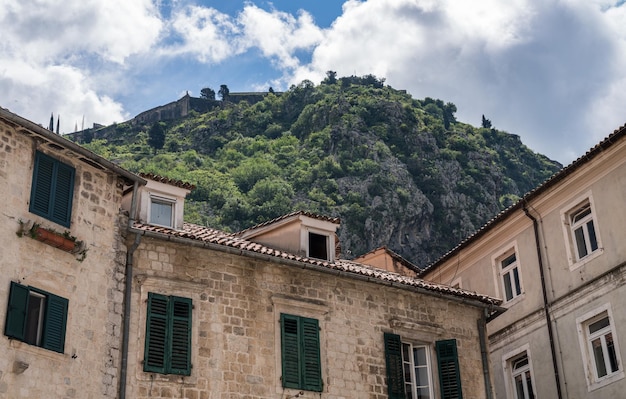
pixel 54 321
pixel 168 335
pixel 448 365
pixel 301 353
pixel 52 190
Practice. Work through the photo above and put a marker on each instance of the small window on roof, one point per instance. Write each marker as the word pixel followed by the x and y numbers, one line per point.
pixel 318 246
pixel 161 212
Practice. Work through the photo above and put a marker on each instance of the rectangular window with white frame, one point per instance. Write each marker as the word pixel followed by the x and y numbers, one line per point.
pixel 581 230
pixel 410 369
pixel 162 211
pixel 519 374
pixel 507 267
pixel 599 347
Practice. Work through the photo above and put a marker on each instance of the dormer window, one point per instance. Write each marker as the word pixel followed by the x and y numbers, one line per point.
pixel 162 211
pixel 318 246
pixel 301 233
pixel 160 202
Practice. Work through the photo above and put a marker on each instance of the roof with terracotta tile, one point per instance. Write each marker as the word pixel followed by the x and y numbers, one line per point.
pixel 206 235
pixel 598 149
pixel 167 180
pixel 395 256
pixel 289 215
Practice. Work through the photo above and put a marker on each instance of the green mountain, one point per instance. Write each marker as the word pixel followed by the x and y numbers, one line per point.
pixel 398 171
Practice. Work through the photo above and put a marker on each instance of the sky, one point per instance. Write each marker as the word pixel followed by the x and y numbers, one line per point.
pixel 551 71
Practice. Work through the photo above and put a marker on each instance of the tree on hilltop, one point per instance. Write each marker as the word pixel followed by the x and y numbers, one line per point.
pixel 207 93
pixel 224 92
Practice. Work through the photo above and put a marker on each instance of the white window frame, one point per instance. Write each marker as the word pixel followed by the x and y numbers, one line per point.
pixel 412 383
pixel 510 270
pixel 586 339
pixel 330 243
pixel 162 200
pixel 508 360
pixel 570 226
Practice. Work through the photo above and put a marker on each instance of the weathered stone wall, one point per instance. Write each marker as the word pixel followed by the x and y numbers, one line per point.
pixel 235 330
pixel 88 368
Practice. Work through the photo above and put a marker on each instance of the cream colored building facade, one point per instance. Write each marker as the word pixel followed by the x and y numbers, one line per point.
pixel 61 308
pixel 557 259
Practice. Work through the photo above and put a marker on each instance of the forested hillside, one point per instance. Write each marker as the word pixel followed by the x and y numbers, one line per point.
pixel 398 171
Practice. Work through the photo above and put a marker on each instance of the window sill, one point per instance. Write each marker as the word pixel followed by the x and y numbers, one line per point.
pixel 514 301
pixel 606 381
pixel 582 262
pixel 37 350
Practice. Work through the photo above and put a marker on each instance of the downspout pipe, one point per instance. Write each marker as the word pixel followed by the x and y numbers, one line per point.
pixel 546 308
pixel 127 296
pixel 482 327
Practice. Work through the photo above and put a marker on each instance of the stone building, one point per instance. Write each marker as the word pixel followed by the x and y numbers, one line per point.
pixel 558 261
pixel 62 260
pixel 271 312
pixel 99 303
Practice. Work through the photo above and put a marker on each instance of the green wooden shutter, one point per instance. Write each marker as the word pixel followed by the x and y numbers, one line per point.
pixel 449 373
pixel 181 336
pixel 311 367
pixel 52 189
pixel 393 359
pixel 55 320
pixel 155 351
pixel 290 351
pixel 41 191
pixel 16 312
pixel 63 193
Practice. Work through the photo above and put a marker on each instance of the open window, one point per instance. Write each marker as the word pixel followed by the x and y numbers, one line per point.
pixel 318 246
pixel 410 369
pixel 36 317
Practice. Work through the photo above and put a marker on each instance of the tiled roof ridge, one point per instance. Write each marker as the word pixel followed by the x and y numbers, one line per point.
pixel 167 180
pixel 212 236
pixel 331 219
pixel 608 141
pixel 394 255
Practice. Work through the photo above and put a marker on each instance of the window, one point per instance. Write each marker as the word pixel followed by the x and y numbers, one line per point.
pixel 583 231
pixel 52 189
pixel 408 369
pixel 300 354
pixel 168 335
pixel 599 344
pixel 522 378
pixel 318 246
pixel 161 211
pixel 509 272
pixel 36 317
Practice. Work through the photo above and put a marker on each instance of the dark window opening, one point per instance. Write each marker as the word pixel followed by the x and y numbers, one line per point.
pixel 318 246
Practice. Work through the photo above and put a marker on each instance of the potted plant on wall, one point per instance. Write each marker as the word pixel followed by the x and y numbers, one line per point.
pixel 63 241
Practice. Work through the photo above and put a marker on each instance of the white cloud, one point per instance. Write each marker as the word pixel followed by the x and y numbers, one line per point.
pixel 63 90
pixel 553 72
pixel 279 35
pixel 58 56
pixel 538 69
pixel 205 33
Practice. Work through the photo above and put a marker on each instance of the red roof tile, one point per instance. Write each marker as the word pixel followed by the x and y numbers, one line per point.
pixel 212 236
